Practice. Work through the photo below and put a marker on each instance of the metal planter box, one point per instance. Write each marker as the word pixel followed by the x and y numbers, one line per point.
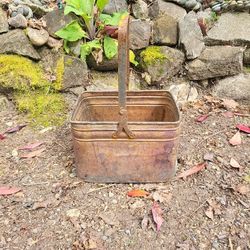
pixel 129 137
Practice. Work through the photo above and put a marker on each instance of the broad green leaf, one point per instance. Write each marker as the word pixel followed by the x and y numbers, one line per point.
pixel 132 58
pixel 112 20
pixel 79 7
pixel 88 47
pixel 71 32
pixel 110 47
pixel 101 4
pixel 75 6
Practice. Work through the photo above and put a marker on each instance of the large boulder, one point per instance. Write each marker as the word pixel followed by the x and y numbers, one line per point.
pixel 230 29
pixel 16 42
pixel 75 72
pixel 171 9
pixel 161 62
pixel 140 9
pixel 55 20
pixel 140 32
pixel 190 36
pixel 165 30
pixel 109 81
pixel 216 61
pixel 4 27
pixel 235 87
pixel 115 6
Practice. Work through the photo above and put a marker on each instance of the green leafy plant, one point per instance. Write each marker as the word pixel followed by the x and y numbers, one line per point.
pixel 97 30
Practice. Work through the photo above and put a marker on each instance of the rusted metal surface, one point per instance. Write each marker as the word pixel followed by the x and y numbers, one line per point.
pixel 138 145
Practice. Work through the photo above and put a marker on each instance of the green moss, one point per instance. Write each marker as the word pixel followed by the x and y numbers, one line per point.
pixel 20 73
pixel 152 54
pixel 68 61
pixel 33 94
pixel 46 109
pixel 59 74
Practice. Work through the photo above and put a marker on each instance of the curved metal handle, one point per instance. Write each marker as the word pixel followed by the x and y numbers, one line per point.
pixel 123 76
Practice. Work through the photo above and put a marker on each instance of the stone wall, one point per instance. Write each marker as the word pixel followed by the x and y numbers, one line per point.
pixel 181 45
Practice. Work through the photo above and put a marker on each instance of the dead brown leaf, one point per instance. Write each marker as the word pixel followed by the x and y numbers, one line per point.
pixel 236 139
pixel 235 164
pixel 41 204
pixel 192 170
pixel 209 213
pixel 242 189
pixel 33 153
pixel 230 103
pixel 145 222
pixel 162 197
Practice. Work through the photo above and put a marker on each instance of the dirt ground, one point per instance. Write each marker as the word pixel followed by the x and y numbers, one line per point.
pixel 56 210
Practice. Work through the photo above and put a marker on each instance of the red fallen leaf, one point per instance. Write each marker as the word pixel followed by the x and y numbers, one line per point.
pixel 31 146
pixel 236 139
pixel 33 153
pixel 137 193
pixel 201 118
pixel 228 114
pixel 15 129
pixel 157 215
pixel 9 190
pixel 243 128
pixel 2 137
pixel 192 170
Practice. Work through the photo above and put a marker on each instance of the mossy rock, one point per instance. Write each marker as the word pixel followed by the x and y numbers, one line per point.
pixel 161 62
pixel 33 93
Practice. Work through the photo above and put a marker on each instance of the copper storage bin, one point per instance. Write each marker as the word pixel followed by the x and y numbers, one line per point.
pixel 125 136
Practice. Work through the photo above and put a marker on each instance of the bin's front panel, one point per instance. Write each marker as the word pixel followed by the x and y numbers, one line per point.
pixel 124 161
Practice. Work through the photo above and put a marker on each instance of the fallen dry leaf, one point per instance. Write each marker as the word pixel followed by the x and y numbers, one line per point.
pixel 192 170
pixel 145 222
pixel 2 137
pixel 31 146
pixel 41 204
pixel 208 156
pixel 235 164
pixel 162 197
pixel 230 103
pixel 9 190
pixel 215 206
pixel 241 114
pixel 74 212
pixel 236 139
pixel 243 128
pixel 157 215
pixel 209 213
pixel 242 189
pixel 228 114
pixel 201 118
pixel 137 193
pixel 33 153
pixel 14 129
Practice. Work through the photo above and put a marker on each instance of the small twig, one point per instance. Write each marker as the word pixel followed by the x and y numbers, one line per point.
pixel 35 184
pixel 230 244
pixel 100 188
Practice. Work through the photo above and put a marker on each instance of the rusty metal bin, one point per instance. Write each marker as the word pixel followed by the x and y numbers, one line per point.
pixel 125 136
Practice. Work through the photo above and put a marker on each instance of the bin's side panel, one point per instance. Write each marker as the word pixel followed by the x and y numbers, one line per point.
pixel 124 161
